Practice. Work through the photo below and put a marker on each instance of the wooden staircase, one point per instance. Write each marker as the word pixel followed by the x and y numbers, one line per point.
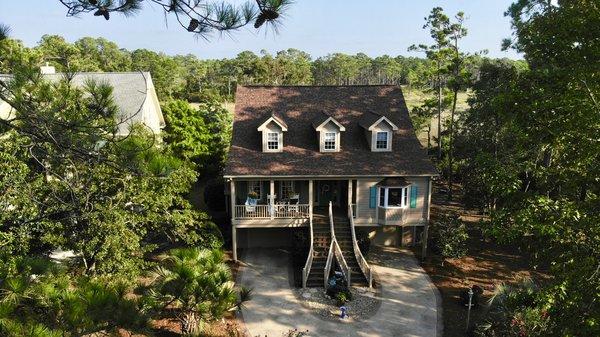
pixel 322 237
pixel 343 235
pixel 321 242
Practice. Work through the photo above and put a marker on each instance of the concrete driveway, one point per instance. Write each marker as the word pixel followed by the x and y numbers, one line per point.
pixel 409 300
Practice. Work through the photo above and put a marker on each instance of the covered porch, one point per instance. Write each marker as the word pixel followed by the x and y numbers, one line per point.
pixel 261 203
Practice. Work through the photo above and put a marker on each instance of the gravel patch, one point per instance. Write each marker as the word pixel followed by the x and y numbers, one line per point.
pixel 365 303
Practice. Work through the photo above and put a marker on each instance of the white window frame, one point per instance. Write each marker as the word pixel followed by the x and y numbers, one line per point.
pixel 268 140
pixel 384 191
pixel 335 141
pixel 252 184
pixel 387 141
pixel 291 187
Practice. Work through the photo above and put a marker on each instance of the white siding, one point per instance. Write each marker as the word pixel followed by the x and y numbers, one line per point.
pixel 417 215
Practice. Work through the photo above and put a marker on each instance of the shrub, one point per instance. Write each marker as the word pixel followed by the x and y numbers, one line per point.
pixel 198 283
pixel 450 236
pixel 514 311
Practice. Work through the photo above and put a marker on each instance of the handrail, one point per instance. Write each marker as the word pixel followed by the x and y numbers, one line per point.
pixel 335 250
pixel 343 264
pixel 362 262
pixel 328 264
pixel 309 259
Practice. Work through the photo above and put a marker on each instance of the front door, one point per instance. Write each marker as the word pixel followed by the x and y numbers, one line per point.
pixel 328 190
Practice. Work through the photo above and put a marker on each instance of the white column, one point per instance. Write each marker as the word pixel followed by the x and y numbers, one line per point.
pixel 233 228
pixel 272 198
pixel 310 199
pixel 350 193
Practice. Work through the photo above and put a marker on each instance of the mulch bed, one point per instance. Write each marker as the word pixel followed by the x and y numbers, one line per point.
pixel 486 265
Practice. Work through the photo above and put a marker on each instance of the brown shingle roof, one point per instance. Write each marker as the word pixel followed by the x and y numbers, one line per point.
pixel 300 106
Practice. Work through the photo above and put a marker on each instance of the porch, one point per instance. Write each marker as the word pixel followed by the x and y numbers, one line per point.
pixel 271 203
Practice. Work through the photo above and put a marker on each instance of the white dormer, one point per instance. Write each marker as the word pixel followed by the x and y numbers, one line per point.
pixel 379 131
pixel 329 131
pixel 272 131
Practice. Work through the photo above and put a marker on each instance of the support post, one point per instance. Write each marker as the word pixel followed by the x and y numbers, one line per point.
pixel 350 193
pixel 310 199
pixel 272 198
pixel 233 228
pixel 426 229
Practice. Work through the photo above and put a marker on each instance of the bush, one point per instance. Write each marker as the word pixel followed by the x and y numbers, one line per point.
pixel 514 311
pixel 41 299
pixel 198 284
pixel 449 235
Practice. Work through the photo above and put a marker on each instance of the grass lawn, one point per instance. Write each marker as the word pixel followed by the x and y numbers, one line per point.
pixel 486 264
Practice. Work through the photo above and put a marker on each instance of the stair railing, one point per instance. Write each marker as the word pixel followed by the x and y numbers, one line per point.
pixel 309 259
pixel 335 251
pixel 362 262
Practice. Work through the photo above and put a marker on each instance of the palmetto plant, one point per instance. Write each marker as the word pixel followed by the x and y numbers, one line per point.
pixel 198 284
pixel 41 299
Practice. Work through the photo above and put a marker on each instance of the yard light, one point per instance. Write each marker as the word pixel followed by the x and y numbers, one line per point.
pixel 470 305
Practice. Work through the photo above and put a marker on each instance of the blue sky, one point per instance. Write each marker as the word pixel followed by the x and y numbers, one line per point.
pixel 318 27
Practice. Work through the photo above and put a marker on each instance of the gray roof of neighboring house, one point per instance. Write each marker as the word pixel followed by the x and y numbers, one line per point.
pixel 130 92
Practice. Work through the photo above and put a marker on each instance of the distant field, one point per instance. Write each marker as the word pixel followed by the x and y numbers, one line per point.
pixel 413 98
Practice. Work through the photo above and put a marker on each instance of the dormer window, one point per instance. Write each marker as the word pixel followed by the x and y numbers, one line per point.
pixel 381 142
pixel 273 141
pixel 329 141
pixel 379 131
pixel 272 130
pixel 328 131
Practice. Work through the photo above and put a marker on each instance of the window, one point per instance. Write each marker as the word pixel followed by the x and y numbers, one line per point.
pixel 273 141
pixel 391 197
pixel 381 142
pixel 255 186
pixel 287 189
pixel 329 141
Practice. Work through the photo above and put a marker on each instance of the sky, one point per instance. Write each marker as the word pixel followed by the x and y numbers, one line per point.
pixel 319 27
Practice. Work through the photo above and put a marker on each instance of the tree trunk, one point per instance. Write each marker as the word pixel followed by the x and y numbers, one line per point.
pixel 190 324
pixel 439 131
pixel 451 143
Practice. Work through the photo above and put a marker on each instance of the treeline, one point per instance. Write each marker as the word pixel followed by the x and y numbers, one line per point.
pixel 186 76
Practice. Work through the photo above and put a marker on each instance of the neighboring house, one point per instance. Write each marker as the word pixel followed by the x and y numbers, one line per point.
pixel 301 149
pixel 133 93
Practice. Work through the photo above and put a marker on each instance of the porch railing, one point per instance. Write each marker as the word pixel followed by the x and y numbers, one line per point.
pixel 309 259
pixel 300 211
pixel 362 262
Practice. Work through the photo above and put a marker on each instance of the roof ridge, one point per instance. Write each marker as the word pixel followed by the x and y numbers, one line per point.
pixel 314 85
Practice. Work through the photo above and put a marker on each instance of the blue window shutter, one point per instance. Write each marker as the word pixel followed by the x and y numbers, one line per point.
pixel 413 196
pixel 372 196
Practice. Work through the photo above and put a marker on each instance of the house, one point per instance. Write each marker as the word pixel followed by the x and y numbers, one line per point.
pixel 331 158
pixel 133 93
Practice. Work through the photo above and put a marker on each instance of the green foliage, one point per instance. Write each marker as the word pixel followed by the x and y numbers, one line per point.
pixel 204 17
pixel 200 135
pixel 534 130
pixel 450 235
pixel 75 185
pixel 40 299
pixel 198 284
pixel 512 311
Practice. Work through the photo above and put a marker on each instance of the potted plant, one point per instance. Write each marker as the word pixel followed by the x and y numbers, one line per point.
pixel 253 195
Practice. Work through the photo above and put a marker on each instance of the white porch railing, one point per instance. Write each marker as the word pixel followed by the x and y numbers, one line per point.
pixel 362 262
pixel 309 259
pixel 353 210
pixel 299 211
